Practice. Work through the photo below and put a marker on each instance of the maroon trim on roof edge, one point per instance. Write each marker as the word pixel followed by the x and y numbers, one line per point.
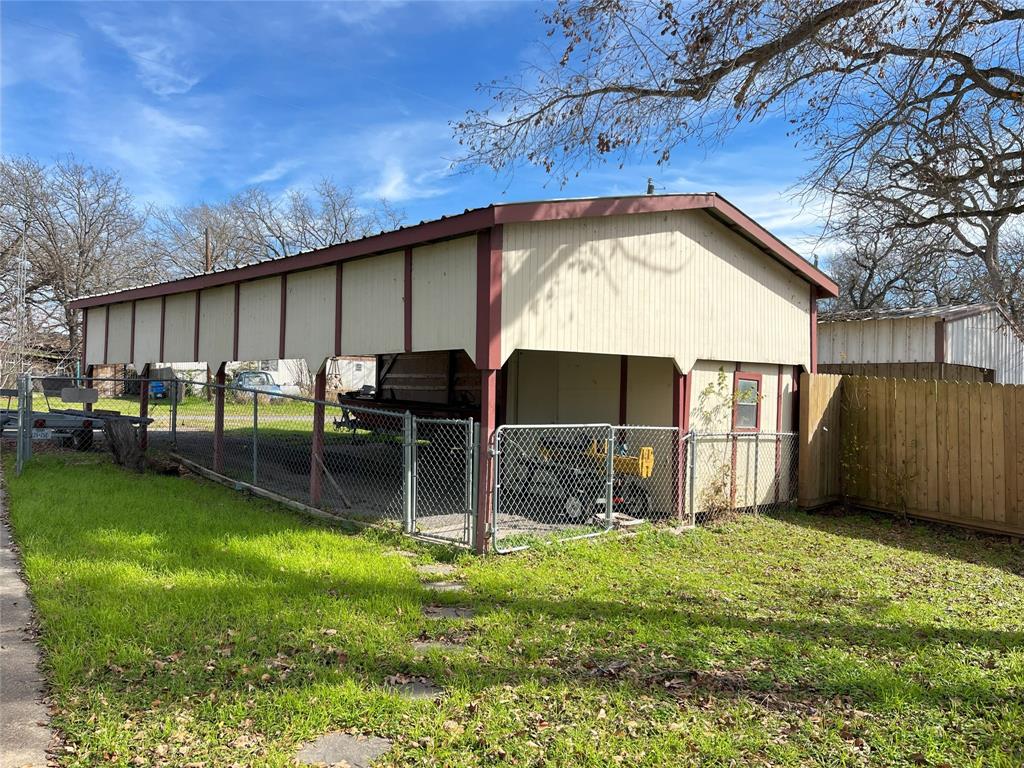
pixel 163 314
pixel 85 336
pixel 195 340
pixel 814 330
pixel 467 223
pixel 131 338
pixel 623 387
pixel 234 340
pixel 488 298
pixel 106 333
pixel 337 308
pixel 284 316
pixel 407 299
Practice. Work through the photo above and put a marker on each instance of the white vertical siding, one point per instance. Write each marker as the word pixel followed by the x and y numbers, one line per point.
pixel 97 323
pixel 564 388
pixel 180 328
pixel 217 325
pixel 899 340
pixel 677 285
pixel 309 316
pixel 372 308
pixel 120 333
pixel 147 332
pixel 259 319
pixel 649 391
pixel 986 341
pixel 444 296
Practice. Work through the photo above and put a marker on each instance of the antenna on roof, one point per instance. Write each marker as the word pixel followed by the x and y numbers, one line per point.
pixel 650 185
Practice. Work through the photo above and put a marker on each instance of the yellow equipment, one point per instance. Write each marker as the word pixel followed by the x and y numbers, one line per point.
pixel 641 465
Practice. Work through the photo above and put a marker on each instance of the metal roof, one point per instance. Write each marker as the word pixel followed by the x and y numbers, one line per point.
pixel 948 312
pixel 477 219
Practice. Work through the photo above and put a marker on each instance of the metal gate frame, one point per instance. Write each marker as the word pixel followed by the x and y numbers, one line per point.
pixel 470 449
pixel 603 431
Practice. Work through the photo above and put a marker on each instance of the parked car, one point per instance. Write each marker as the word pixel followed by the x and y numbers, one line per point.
pixel 259 381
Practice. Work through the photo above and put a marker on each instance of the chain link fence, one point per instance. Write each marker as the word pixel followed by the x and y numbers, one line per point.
pixel 359 463
pixel 550 482
pixel 573 481
pixel 741 472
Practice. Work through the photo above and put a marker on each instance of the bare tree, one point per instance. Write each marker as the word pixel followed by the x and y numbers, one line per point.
pixel 947 190
pixel 80 234
pixel 913 109
pixel 649 74
pixel 254 226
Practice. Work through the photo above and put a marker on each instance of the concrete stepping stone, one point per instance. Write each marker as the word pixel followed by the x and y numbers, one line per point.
pixel 448 612
pixel 405 553
pixel 444 586
pixel 436 569
pixel 342 749
pixel 442 646
pixel 412 686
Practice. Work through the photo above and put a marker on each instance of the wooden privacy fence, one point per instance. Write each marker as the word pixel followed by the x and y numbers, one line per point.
pixel 946 451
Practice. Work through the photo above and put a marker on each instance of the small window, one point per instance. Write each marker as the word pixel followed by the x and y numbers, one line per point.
pixel 746 415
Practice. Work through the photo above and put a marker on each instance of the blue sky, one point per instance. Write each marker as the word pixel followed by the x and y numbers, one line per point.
pixel 193 101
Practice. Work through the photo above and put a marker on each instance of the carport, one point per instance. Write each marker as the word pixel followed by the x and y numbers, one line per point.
pixel 602 309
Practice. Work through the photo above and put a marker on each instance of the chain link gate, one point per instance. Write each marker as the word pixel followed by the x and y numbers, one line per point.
pixel 551 482
pixel 444 480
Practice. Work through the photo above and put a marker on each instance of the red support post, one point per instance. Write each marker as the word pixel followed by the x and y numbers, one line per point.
pixel 218 422
pixel 144 407
pixel 316 456
pixel 814 329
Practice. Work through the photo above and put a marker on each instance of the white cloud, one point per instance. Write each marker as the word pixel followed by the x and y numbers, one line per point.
pixel 160 152
pixel 34 54
pixel 361 13
pixel 274 172
pixel 158 57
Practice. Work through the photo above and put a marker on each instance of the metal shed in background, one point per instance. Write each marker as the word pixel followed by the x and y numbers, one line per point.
pixel 616 310
pixel 965 342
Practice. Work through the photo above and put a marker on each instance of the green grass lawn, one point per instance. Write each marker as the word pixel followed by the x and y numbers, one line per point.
pixel 184 624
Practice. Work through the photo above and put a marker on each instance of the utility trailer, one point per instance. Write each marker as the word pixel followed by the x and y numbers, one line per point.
pixel 66 426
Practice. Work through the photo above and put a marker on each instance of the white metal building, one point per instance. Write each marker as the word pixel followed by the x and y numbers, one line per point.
pixel 973 342
pixel 616 310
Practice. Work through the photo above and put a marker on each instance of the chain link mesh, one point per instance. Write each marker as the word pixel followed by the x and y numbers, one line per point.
pixel 444 481
pixel 363 470
pixel 741 472
pixel 551 482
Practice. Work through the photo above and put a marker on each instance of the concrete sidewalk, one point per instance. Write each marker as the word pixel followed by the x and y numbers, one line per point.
pixel 24 733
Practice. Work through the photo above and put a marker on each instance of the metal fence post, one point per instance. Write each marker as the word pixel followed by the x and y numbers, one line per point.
pixel 175 394
pixel 408 459
pixel 609 469
pixel 693 476
pixel 24 441
pixel 255 431
pixel 474 479
pixel 757 462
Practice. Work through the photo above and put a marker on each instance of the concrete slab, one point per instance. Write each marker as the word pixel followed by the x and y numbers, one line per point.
pixel 24 733
pixel 448 612
pixel 436 569
pixel 342 749
pixel 444 586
